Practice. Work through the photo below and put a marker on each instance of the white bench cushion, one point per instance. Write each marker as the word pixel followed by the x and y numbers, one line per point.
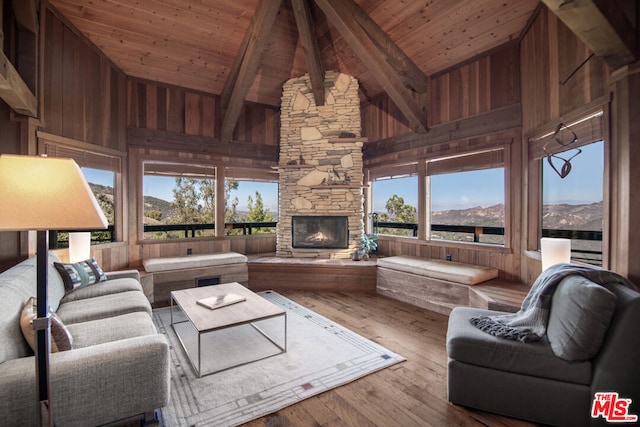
pixel 457 272
pixel 152 265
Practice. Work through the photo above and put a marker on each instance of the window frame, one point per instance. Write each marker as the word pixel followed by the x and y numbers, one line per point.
pixel 421 169
pixel 172 169
pixel 94 157
pixel 406 171
pixel 490 158
pixel 590 124
pixel 198 168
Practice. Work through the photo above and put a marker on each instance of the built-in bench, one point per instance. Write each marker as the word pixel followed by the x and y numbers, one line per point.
pixel 440 286
pixel 174 273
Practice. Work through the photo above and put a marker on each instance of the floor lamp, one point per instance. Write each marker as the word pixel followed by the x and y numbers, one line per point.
pixel 40 193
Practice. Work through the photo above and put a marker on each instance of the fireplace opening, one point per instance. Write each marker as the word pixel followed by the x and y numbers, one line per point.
pixel 320 232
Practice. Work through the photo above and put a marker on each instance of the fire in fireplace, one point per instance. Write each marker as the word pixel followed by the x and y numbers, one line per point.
pixel 320 232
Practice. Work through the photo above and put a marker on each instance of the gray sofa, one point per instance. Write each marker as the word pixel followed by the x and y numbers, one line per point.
pixel 118 366
pixel 529 380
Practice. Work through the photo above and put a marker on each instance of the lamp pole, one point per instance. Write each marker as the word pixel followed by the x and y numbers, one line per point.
pixel 42 324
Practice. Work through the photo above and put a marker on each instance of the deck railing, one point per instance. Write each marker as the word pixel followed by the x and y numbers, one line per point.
pixel 590 255
pixel 60 239
pixel 189 230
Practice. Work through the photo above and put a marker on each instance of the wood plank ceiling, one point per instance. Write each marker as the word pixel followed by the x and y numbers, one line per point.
pixel 197 44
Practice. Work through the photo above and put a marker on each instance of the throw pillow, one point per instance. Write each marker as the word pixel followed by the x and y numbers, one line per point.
pixel 580 315
pixel 61 339
pixel 79 274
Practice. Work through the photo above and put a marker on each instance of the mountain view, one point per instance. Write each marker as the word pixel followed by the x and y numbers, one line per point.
pixel 559 216
pixel 153 204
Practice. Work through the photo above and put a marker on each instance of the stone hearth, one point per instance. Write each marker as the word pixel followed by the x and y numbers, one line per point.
pixel 320 160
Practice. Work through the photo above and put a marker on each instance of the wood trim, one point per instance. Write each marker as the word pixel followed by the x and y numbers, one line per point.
pixel 424 202
pixel 219 201
pixel 74 143
pixel 502 119
pixel 163 140
pixel 585 110
pixel 467 162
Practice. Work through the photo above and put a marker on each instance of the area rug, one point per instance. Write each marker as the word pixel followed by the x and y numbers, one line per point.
pixel 321 355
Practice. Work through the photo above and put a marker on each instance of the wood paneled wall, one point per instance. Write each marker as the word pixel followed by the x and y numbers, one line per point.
pixel 83 94
pixel 11 244
pixel 482 85
pixel 181 111
pixel 473 106
pixel 550 53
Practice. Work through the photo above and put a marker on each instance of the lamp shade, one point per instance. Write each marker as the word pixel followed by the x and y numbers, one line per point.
pixel 46 193
pixel 554 251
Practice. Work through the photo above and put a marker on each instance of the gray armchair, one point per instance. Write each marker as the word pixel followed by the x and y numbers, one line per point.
pixel 529 381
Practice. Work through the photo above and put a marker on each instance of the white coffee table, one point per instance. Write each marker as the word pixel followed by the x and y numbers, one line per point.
pixel 227 337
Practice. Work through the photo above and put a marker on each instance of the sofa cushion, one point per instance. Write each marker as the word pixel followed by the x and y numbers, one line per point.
pixel 468 344
pixel 108 287
pixel 580 315
pixel 102 307
pixel 61 338
pixel 458 272
pixel 55 286
pixel 12 342
pixel 93 332
pixel 79 274
pixel 193 261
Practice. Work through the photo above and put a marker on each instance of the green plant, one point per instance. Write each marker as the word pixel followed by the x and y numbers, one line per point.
pixel 367 244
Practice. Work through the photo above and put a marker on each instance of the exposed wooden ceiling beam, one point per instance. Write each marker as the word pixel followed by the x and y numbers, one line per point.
pixel 14 90
pixel 245 68
pixel 375 54
pixel 601 25
pixel 304 22
pixel 412 77
pixel 26 13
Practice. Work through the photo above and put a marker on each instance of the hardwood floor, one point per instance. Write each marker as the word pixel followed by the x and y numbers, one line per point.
pixel 412 393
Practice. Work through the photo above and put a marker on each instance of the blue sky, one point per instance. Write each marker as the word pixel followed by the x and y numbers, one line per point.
pixel 162 188
pixel 584 184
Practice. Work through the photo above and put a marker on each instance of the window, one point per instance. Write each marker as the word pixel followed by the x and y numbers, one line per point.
pixel 572 206
pixel 102 169
pixel 468 198
pixel 468 206
pixel 566 191
pixel 102 184
pixel 179 200
pixel 250 203
pixel 395 201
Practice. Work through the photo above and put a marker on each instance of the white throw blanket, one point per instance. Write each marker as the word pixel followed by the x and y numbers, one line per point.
pixel 530 323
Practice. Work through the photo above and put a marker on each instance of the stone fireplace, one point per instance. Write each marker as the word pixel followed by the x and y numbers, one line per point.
pixel 320 169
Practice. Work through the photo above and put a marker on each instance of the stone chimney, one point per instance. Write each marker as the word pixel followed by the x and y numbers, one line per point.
pixel 320 164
